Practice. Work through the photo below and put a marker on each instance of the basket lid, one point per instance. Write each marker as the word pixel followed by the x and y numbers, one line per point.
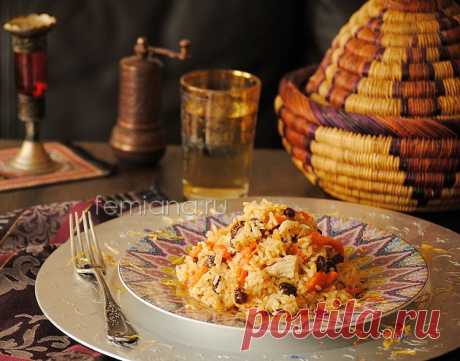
pixel 398 58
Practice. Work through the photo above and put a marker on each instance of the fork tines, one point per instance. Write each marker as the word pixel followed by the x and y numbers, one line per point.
pixel 85 249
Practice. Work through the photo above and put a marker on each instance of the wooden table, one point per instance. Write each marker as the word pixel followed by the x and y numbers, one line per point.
pixel 273 174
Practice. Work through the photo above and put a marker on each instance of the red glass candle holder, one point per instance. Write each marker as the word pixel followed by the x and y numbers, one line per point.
pixel 30 71
pixel 30 60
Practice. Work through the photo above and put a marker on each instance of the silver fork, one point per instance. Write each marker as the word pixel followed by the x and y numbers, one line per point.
pixel 89 263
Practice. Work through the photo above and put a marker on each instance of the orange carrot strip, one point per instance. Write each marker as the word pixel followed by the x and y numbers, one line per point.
pixel 295 250
pixel 331 277
pixel 195 250
pixel 320 240
pixel 319 279
pixel 246 253
pixel 354 290
pixel 280 218
pixel 302 256
pixel 226 255
pixel 197 275
pixel 249 249
pixel 242 276
pixel 306 217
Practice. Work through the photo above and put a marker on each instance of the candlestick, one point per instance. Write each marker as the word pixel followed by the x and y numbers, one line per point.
pixel 30 59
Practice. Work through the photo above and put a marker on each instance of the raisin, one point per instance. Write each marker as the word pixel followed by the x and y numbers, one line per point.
pixel 330 265
pixel 338 258
pixel 321 264
pixel 332 262
pixel 289 212
pixel 294 239
pixel 235 228
pixel 240 296
pixel 195 259
pixel 211 260
pixel 288 289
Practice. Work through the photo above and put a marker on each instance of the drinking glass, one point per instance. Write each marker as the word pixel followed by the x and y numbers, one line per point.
pixel 219 113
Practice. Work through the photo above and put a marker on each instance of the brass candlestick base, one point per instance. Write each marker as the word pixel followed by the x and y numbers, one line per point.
pixel 33 159
pixel 29 47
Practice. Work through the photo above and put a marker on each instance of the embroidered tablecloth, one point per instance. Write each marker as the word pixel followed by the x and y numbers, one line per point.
pixel 27 238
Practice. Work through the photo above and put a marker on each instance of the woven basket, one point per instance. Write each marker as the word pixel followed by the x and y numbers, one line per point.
pixel 378 121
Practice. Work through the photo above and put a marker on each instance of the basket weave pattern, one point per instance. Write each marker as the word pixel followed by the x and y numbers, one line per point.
pixel 378 121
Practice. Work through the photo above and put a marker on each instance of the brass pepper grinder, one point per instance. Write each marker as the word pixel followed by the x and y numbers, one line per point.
pixel 138 136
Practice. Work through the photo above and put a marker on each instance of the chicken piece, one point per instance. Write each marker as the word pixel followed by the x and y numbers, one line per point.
pixel 289 229
pixel 286 267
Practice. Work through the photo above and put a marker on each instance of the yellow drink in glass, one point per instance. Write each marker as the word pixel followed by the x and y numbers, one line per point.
pixel 219 113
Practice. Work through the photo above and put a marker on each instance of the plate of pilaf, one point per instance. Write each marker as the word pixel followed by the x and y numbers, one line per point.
pixel 273 257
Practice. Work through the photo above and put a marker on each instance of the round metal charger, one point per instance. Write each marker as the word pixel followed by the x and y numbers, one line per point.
pixel 73 305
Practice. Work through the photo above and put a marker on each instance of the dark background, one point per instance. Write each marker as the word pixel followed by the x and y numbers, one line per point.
pixel 265 37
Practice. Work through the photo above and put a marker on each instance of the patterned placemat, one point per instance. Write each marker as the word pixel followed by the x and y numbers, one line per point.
pixel 27 238
pixel 73 167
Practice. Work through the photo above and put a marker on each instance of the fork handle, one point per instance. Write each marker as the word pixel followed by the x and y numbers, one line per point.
pixel 118 328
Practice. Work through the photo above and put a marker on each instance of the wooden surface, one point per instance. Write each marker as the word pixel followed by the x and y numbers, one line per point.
pixel 273 174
